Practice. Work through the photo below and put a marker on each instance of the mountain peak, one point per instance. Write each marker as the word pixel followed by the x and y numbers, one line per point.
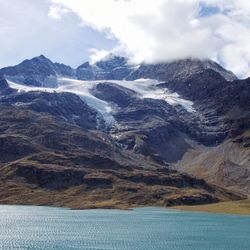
pixel 40 58
pixel 111 61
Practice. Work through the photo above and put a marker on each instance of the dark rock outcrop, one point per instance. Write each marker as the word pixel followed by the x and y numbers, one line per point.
pixel 114 93
pixel 4 87
pixel 192 200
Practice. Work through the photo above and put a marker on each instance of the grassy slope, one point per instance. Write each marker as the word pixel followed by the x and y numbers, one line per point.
pixel 231 207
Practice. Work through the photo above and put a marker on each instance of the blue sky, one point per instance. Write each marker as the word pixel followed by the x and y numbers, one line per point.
pixel 26 30
pixel 208 10
pixel 74 31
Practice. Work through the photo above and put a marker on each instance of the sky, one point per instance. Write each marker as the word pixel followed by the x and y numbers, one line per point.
pixel 151 31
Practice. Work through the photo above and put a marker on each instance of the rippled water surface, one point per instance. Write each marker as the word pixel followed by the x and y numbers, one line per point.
pixel 23 227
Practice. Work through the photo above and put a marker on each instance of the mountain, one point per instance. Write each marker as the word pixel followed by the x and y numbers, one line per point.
pixel 114 134
pixel 47 161
pixel 38 71
pixel 119 68
pixel 179 70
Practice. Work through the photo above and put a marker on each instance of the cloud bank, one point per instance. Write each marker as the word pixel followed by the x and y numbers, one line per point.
pixel 160 30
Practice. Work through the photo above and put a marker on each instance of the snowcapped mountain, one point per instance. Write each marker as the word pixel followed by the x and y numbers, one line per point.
pixel 153 117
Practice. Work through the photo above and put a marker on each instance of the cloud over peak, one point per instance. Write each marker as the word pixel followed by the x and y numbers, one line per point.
pixel 160 30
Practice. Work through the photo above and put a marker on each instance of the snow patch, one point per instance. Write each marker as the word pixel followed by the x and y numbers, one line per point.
pixel 147 88
pixel 80 88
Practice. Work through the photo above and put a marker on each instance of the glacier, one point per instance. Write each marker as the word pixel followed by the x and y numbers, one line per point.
pixel 145 88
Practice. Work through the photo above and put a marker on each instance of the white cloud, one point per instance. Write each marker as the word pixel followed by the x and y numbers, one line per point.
pixel 97 55
pixel 58 11
pixel 162 30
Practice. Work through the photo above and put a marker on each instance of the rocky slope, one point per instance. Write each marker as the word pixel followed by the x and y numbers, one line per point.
pixel 102 136
pixel 226 165
pixel 46 161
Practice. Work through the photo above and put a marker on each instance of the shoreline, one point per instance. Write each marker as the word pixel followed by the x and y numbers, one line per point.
pixel 241 207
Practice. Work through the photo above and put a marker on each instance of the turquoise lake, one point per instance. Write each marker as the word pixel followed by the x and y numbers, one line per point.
pixel 30 227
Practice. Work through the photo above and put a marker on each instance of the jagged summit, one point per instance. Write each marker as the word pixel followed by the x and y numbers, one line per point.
pixel 35 63
pixel 41 71
pixel 42 58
